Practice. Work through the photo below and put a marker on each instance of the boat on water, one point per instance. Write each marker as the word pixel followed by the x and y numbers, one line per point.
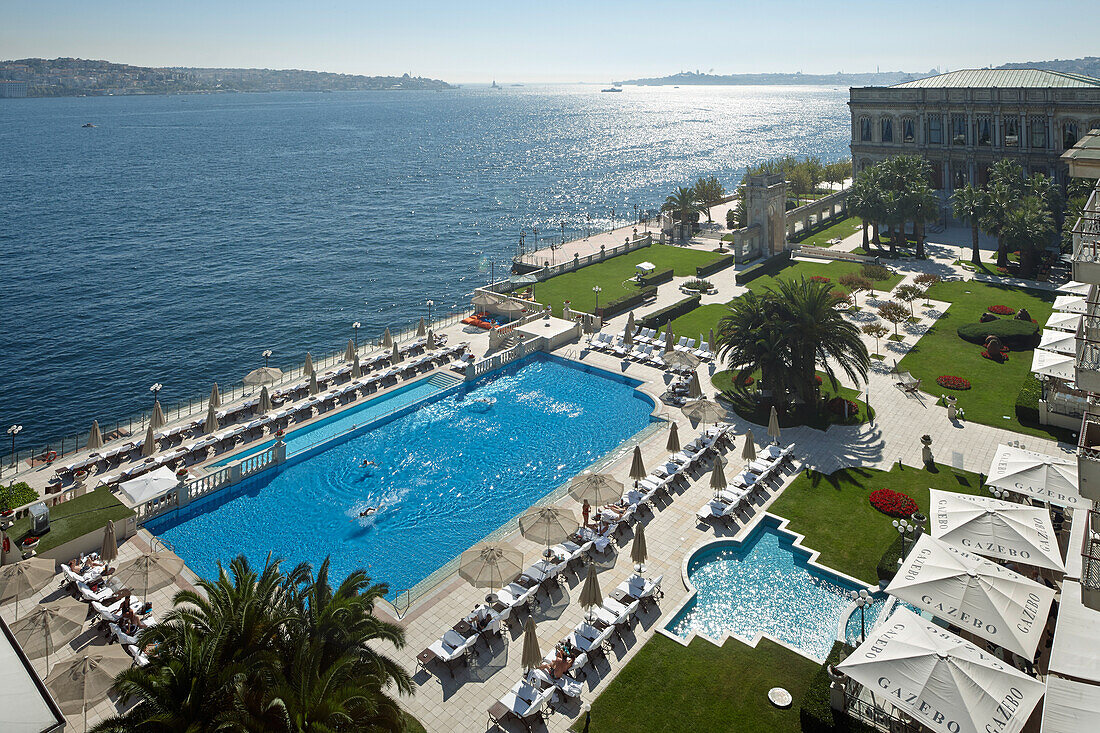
pixel 495 85
pixel 613 88
pixel 87 124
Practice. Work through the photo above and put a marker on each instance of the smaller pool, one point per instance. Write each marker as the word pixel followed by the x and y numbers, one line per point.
pixel 765 585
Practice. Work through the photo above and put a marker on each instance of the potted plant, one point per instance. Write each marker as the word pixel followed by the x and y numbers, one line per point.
pixel 29 542
pixel 181 473
pixel 80 475
pixel 926 452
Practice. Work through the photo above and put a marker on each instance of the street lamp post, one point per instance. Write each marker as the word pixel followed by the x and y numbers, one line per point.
pixel 355 328
pixel 588 230
pixel 596 289
pixel 13 431
pixel 635 213
pixel 266 355
pixel 612 218
pixel 999 493
pixel 522 251
pixel 862 599
pixel 430 304
pixel 563 234
pixel 903 527
pixel 154 389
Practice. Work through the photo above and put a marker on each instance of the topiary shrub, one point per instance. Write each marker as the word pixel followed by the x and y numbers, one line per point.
pixel 876 272
pixel 815 714
pixel 1027 401
pixel 1016 335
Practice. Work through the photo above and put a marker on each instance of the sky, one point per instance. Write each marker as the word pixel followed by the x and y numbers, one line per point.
pixel 558 41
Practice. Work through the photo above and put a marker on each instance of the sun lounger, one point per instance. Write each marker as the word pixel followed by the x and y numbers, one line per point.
pixel 570 551
pixel 451 648
pixel 590 639
pixel 88 595
pixel 69 578
pixel 617 616
pixel 567 686
pixel 123 638
pixel 515 595
pixel 139 657
pixel 523 702
pixel 642 589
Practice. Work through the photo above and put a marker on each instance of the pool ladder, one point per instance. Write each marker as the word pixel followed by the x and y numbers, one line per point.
pixel 397 605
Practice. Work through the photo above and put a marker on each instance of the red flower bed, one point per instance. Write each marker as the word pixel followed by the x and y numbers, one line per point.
pixel 821 279
pixel 892 503
pixel 837 405
pixel 1001 310
pixel 953 382
pixel 746 381
pixel 817 379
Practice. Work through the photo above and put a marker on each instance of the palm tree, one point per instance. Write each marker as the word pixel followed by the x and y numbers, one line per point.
pixel 753 338
pixel 969 204
pixel 685 204
pixel 925 208
pixel 1028 228
pixel 708 192
pixel 866 202
pixel 1001 200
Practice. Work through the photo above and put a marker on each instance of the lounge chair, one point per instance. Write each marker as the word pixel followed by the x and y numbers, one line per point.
pixel 88 595
pixel 451 648
pixel 642 589
pixel 139 656
pixel 515 595
pixel 591 639
pixel 616 615
pixel 566 685
pixel 908 383
pixel 523 702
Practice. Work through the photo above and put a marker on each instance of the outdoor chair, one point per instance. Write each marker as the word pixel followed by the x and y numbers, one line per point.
pixel 524 703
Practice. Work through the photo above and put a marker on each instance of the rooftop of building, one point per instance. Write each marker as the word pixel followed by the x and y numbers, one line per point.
pixel 1084 157
pixel 1001 78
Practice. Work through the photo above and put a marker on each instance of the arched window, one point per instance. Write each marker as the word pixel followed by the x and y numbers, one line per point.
pixel 1011 132
pixel 935 129
pixel 887 126
pixel 864 164
pixel 1037 132
pixel 908 130
pixel 1070 133
pixel 984 131
pixel 865 129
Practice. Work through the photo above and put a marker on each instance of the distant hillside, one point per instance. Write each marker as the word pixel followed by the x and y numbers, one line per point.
pixel 1089 65
pixel 65 77
pixel 839 79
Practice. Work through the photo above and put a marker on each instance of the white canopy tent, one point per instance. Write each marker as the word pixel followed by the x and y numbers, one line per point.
pixel 975 594
pixel 1074 287
pixel 1070 706
pixel 1075 652
pixel 942 681
pixel 1070 304
pixel 1064 321
pixel 645 268
pixel 995 528
pixel 1059 342
pixel 143 488
pixel 1053 364
pixel 1045 477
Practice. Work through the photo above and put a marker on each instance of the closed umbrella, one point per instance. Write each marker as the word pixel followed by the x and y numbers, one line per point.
pixel 314 388
pixel 704 411
pixel 710 341
pixel 211 425
pixel 263 375
pixel 695 390
pixel 149 445
pixel 670 340
pixel 421 329
pixel 307 367
pixel 591 597
pixel 356 370
pixel 718 476
pixel 773 426
pixel 395 355
pixel 108 551
pixel 387 338
pixel 490 565
pixel 95 438
pixel 638 553
pixel 23 578
pixel 547 525
pixel 532 655
pixel 215 396
pixel 264 405
pixel 431 340
pixel 673 444
pixel 87 676
pixel 749 452
pixel 597 488
pixel 157 418
pixel 349 352
pixel 628 336
pixel 637 468
pixel 150 570
pixel 630 328
pixel 49 626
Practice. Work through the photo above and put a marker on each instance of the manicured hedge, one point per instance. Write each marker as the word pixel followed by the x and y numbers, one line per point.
pixel 1027 401
pixel 625 303
pixel 16 495
pixel 816 714
pixel 717 266
pixel 664 276
pixel 671 313
pixel 769 266
pixel 887 566
pixel 1016 335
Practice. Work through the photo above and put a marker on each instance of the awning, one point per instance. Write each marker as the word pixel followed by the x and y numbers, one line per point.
pixel 1064 321
pixel 1070 706
pixel 1045 477
pixel 975 594
pixel 1059 342
pixel 1052 364
pixel 994 528
pixel 1070 304
pixel 1074 288
pixel 645 267
pixel 944 682
pixel 150 485
pixel 1075 651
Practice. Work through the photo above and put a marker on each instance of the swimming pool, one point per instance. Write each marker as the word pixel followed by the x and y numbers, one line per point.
pixel 764 585
pixel 449 472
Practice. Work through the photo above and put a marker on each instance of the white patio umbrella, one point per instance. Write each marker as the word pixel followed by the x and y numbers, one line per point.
pixel 157 418
pixel 1070 706
pixel 1053 364
pixel 749 451
pixel 387 338
pixel 263 375
pixel 349 352
pixel 21 579
pixel 49 626
pixel 421 328
pixel 680 359
pixel 264 403
pixel 547 525
pixel 307 366
pixel 591 597
pixel 944 682
pixel 773 426
pixel 1059 342
pixel 149 445
pixel 149 570
pixel 490 565
pixel 598 489
pixel 995 528
pixel 1071 304
pixel 215 396
pixel 108 550
pixel 1074 287
pixel 1064 321
pixel 95 438
pixel 510 307
pixel 86 676
pixel 532 655
pixel 673 444
pixel 975 594
pixel 314 387
pixel 483 300
pixel 211 425
pixel 1048 478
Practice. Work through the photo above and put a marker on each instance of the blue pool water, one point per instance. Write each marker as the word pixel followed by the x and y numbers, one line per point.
pixel 764 585
pixel 450 471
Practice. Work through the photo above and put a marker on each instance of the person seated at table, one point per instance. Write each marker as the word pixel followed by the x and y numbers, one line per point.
pixel 562 663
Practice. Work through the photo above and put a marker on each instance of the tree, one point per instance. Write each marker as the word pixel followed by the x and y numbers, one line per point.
pixel 907 294
pixel 999 203
pixel 839 171
pixel 855 283
pixel 894 312
pixel 682 202
pixel 865 201
pixel 268 651
pixel 925 281
pixel 876 331
pixel 708 193
pixel 752 338
pixel 924 208
pixel 969 205
pixel 1028 228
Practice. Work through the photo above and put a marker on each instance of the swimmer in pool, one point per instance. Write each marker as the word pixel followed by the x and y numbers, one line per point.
pixel 368 511
pixel 367 462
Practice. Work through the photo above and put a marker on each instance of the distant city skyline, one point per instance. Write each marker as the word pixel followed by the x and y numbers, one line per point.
pixel 565 42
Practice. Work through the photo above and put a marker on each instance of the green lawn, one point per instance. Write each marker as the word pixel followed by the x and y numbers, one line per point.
pixel 75 518
pixel 833 270
pixel 615 276
pixel 700 321
pixel 994 387
pixel 833 512
pixel 412 725
pixel 675 689
pixel 843 228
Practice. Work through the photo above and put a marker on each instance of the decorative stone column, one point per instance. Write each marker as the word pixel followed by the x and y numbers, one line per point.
pixel 838 698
